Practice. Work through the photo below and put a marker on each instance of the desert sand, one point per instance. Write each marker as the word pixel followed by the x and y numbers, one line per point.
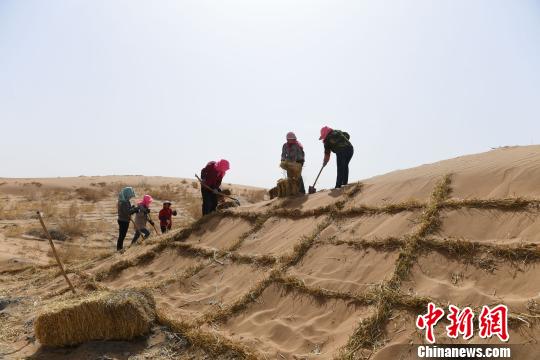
pixel 339 274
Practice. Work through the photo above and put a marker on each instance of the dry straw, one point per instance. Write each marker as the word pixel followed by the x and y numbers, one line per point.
pixel 209 253
pixel 257 225
pixel 380 244
pixel 117 315
pixel 213 343
pixel 506 204
pixel 121 265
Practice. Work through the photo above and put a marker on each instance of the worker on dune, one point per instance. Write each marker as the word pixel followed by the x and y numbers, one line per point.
pixel 212 175
pixel 125 210
pixel 165 217
pixel 292 160
pixel 338 142
pixel 141 217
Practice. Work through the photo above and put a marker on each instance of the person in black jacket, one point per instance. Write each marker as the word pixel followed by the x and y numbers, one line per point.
pixel 125 210
pixel 337 141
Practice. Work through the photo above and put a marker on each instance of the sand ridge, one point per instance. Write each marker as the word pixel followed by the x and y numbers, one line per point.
pixel 349 279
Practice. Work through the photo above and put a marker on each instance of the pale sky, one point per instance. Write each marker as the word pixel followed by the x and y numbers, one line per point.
pixel 162 87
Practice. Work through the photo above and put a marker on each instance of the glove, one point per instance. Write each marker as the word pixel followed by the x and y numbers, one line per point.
pixel 215 191
pixel 174 213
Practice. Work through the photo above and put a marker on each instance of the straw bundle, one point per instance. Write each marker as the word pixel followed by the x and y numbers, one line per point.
pixel 287 187
pixel 106 315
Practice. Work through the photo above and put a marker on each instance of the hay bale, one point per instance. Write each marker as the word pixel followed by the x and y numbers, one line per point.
pixel 287 187
pixel 106 315
pixel 273 192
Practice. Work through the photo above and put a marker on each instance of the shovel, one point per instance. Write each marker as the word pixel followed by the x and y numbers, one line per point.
pixel 212 190
pixel 312 189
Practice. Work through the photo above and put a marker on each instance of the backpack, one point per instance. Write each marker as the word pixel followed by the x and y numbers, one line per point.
pixel 344 134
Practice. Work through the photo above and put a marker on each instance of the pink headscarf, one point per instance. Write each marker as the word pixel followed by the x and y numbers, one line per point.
pixel 324 132
pixel 222 166
pixel 291 139
pixel 291 136
pixel 146 201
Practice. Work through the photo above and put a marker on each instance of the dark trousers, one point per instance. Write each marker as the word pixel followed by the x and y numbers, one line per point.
pixel 343 158
pixel 123 227
pixel 145 233
pixel 164 229
pixel 209 201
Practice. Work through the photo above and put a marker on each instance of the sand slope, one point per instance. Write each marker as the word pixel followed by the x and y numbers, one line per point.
pixel 338 274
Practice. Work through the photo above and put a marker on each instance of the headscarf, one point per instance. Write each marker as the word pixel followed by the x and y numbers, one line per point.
pixel 126 194
pixel 291 139
pixel 222 166
pixel 146 201
pixel 324 132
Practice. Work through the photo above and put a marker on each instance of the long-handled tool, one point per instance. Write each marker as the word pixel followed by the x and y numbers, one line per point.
pixel 212 190
pixel 54 252
pixel 312 189
pixel 153 225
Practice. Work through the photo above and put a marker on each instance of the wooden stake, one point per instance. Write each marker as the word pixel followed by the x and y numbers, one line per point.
pixel 54 252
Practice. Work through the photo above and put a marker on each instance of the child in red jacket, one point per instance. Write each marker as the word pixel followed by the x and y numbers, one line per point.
pixel 165 217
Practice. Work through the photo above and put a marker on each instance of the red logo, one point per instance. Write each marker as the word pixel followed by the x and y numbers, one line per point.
pixel 461 322
pixel 494 322
pixel 429 321
pixel 491 321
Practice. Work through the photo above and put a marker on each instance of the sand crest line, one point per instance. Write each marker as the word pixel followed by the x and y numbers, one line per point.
pixel 386 298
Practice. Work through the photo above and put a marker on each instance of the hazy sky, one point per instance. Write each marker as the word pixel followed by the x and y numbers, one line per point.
pixel 161 87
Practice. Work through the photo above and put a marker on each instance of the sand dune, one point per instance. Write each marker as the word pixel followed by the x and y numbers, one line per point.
pixel 338 274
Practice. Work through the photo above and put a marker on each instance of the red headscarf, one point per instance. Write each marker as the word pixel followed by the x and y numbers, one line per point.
pixel 324 132
pixel 222 166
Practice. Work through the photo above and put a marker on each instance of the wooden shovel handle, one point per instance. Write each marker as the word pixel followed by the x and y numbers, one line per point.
pixel 210 189
pixel 54 252
pixel 319 174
